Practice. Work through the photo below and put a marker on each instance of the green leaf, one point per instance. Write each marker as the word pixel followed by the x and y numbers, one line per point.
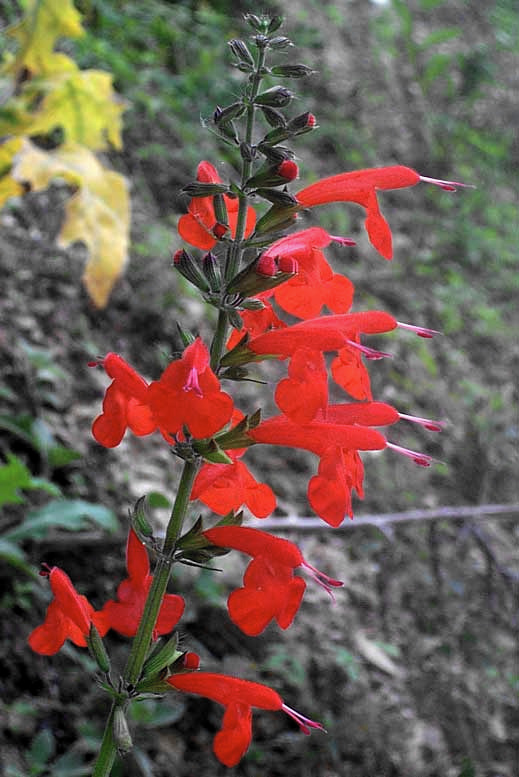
pixel 13 476
pixel 41 750
pixel 70 514
pixel 13 555
pixel 70 765
pixel 439 36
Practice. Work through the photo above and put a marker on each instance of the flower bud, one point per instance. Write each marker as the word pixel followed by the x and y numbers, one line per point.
pixel 220 209
pixel 97 649
pixel 212 271
pixel 224 115
pixel 274 118
pixel 164 656
pixel 288 170
pixel 247 151
pixel 291 71
pixel 302 123
pixel 280 42
pixel 191 660
pixel 187 267
pixel 220 230
pixel 260 25
pixel 284 199
pixel 241 52
pixel 276 219
pixel 275 97
pixel 200 189
pixel 274 24
pixel 121 732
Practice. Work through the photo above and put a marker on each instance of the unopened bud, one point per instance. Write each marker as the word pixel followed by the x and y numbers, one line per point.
pixel 164 656
pixel 212 271
pixel 274 118
pixel 97 649
pixel 188 267
pixel 291 71
pixel 275 97
pixel 200 189
pixel 122 738
pixel 266 265
pixel 191 660
pixel 240 51
pixel 302 122
pixel 247 151
pixel 285 199
pixel 280 42
pixel 220 230
pixel 274 24
pixel 255 22
pixel 253 304
pixel 288 265
pixel 224 115
pixel 288 170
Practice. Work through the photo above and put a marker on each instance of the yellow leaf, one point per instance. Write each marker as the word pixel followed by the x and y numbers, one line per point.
pixel 98 214
pixel 83 104
pixel 8 186
pixel 44 23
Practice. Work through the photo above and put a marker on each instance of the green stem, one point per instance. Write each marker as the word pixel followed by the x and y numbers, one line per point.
pixel 141 643
pixel 107 751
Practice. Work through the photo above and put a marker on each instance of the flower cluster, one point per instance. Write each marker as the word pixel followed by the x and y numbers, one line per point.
pixel 260 268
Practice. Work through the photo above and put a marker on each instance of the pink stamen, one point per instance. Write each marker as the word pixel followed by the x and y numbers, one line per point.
pixel 343 241
pixel 449 186
pixel 192 383
pixel 323 580
pixel 422 459
pixel 427 423
pixel 421 331
pixel 369 353
pixel 305 724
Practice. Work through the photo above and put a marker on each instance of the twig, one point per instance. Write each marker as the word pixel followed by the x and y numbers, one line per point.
pixel 298 523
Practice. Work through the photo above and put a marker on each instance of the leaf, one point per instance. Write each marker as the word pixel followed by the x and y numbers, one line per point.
pixel 71 514
pixel 97 214
pixel 42 749
pixel 8 186
pixel 83 104
pixel 45 21
pixel 14 476
pixel 375 655
pixel 13 555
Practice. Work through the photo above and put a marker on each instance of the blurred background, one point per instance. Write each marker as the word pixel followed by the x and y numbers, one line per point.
pixel 414 670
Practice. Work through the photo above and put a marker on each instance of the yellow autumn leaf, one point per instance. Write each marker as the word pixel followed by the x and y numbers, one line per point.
pixel 9 187
pixel 84 105
pixel 45 21
pixel 98 214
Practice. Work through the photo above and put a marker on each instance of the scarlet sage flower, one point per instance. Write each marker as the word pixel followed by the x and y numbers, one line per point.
pixel 315 284
pixel 124 405
pixel 305 391
pixel 239 697
pixel 124 614
pixel 270 590
pixel 69 616
pixel 326 333
pixel 226 487
pixel 199 227
pixel 188 394
pixel 255 322
pixel 350 374
pixel 361 186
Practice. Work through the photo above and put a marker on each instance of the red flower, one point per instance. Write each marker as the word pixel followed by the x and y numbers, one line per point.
pixel 124 614
pixel 238 697
pixel 305 390
pixel 255 322
pixel 327 333
pixel 69 616
pixel 124 405
pixel 270 590
pixel 288 170
pixel 226 487
pixel 199 227
pixel 335 435
pixel 361 186
pixel 188 394
pixel 315 284
pixel 349 372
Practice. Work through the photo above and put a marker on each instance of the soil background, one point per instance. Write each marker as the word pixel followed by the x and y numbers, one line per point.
pixel 414 669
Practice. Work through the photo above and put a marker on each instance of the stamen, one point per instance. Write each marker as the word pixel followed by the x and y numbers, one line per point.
pixel 421 331
pixel 369 353
pixel 192 383
pixel 427 423
pixel 303 722
pixel 449 186
pixel 422 459
pixel 323 580
pixel 343 241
